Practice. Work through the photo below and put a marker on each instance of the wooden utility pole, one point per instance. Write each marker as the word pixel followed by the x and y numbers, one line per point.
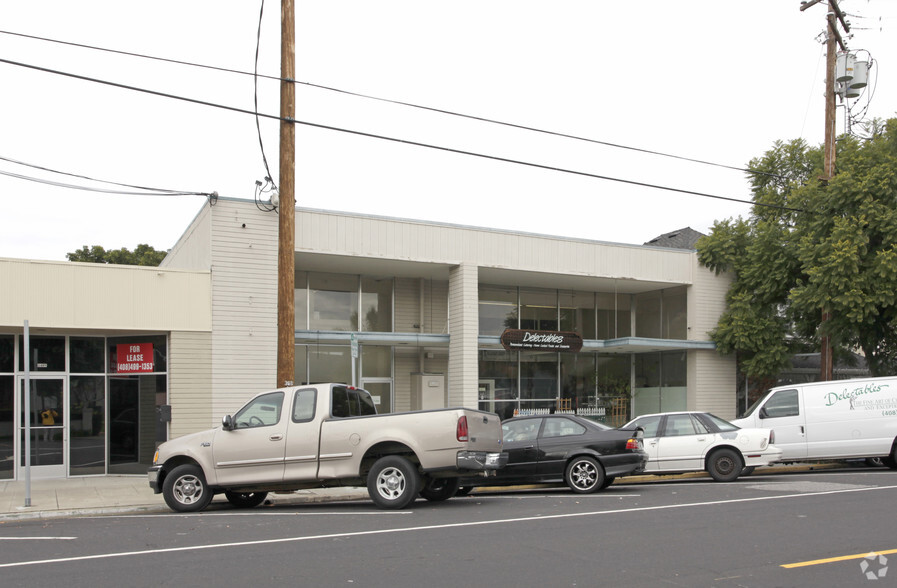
pixel 286 264
pixel 832 36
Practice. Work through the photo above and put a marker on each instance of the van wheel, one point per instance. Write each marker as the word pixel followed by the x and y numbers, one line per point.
pixel 393 483
pixel 891 460
pixel 724 465
pixel 439 489
pixel 185 489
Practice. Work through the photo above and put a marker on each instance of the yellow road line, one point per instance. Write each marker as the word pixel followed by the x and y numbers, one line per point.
pixel 815 562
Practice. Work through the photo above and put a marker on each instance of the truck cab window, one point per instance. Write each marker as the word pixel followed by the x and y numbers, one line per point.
pixel 304 405
pixel 263 411
pixel 783 403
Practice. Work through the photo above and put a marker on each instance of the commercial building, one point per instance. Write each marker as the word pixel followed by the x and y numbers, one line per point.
pixel 421 314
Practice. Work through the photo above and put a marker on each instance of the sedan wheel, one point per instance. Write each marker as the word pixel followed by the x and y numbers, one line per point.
pixel 724 465
pixel 584 475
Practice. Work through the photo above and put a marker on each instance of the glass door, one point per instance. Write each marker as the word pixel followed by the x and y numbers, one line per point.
pixel 47 421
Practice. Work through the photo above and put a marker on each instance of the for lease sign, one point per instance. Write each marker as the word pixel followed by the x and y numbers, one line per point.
pixel 134 358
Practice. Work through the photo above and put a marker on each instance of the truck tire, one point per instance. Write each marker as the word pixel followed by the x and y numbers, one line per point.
pixel 245 499
pixel 439 489
pixel 185 489
pixel 393 483
pixel 584 475
pixel 725 465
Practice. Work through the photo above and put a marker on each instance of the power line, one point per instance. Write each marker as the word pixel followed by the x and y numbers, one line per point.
pixel 401 103
pixel 159 191
pixel 397 140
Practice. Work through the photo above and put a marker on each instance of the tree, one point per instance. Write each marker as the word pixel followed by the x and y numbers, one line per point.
pixel 810 245
pixel 142 255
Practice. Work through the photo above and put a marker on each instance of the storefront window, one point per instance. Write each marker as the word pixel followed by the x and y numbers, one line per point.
pixel 578 379
pixel 47 354
pixel 376 304
pixel 138 354
pixel 613 316
pixel 300 365
pixel 300 300
pixel 7 399
pixel 538 380
pixel 538 309
pixel 497 309
pixel 647 315
pixel 498 382
pixel 7 353
pixel 87 355
pixel 329 363
pixel 675 315
pixel 333 302
pixel 577 310
pixel 376 362
pixel 87 419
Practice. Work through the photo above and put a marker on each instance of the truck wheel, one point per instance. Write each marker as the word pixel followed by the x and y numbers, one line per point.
pixel 463 490
pixel 584 475
pixel 439 489
pixel 748 471
pixel 245 499
pixel 393 482
pixel 185 489
pixel 724 465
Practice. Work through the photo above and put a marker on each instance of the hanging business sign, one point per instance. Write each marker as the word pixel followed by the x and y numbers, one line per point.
pixel 526 340
pixel 134 358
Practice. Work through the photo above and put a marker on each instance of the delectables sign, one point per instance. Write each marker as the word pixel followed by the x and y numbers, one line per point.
pixel 517 339
pixel 134 358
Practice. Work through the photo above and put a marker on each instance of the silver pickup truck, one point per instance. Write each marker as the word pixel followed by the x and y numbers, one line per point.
pixel 327 435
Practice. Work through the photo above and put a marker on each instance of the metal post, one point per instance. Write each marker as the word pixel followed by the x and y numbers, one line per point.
pixel 26 351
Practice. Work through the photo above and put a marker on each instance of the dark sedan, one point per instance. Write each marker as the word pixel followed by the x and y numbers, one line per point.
pixel 561 448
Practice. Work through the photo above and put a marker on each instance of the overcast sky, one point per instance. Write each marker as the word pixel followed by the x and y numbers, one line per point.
pixel 702 79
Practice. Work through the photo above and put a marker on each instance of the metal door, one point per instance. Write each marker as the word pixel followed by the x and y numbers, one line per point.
pixel 47 420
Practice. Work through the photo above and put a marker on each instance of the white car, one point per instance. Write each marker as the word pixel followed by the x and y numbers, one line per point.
pixel 696 441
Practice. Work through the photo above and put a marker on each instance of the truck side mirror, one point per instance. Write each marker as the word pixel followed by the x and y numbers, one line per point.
pixel 762 413
pixel 227 423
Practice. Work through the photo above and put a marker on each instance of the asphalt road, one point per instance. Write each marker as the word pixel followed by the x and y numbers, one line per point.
pixel 689 532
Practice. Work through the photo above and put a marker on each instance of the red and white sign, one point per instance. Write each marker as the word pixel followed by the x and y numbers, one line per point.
pixel 134 358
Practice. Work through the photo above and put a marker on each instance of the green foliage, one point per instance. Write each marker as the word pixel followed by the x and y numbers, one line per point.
pixel 816 247
pixel 142 255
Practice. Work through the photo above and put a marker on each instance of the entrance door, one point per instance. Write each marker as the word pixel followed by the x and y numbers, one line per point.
pixel 49 444
pixel 381 392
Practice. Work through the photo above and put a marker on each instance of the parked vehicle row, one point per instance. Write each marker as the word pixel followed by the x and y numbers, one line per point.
pixel 330 435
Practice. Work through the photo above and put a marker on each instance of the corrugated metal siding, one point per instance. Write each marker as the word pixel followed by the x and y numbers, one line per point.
pixel 244 243
pixel 706 301
pixel 68 295
pixel 193 249
pixel 463 327
pixel 190 382
pixel 335 233
pixel 711 383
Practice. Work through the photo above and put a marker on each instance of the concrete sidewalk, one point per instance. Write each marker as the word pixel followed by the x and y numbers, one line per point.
pixel 100 495
pixel 120 494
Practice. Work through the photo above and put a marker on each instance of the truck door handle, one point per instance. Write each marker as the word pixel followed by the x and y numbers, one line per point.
pixel 276 437
pixel 801 429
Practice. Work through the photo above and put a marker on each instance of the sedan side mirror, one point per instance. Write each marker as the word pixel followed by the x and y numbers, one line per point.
pixel 227 423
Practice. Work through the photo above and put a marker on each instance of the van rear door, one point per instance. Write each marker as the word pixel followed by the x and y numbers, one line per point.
pixel 784 412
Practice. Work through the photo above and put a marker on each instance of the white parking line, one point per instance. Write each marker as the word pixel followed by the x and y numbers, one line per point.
pixel 432 527
pixel 37 538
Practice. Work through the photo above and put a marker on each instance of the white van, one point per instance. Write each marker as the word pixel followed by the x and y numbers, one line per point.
pixel 831 420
